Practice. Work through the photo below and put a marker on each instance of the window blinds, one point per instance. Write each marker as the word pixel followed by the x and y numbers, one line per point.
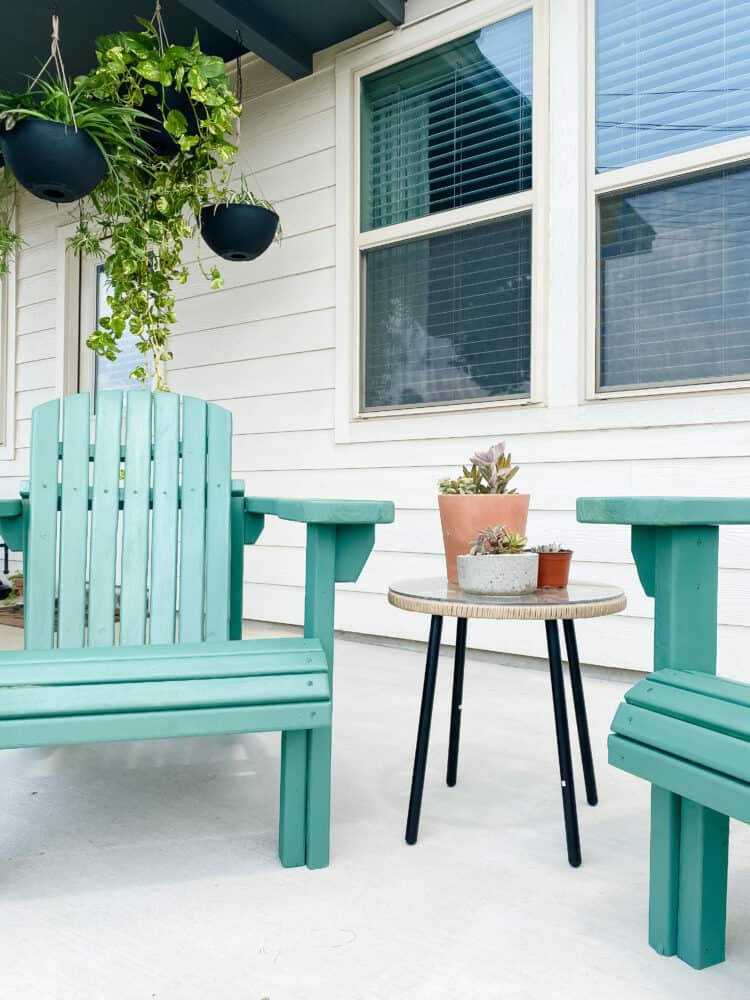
pixel 447 318
pixel 670 76
pixel 448 128
pixel 675 282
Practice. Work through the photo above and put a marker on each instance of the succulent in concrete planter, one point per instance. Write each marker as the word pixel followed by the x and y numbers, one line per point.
pixel 498 564
pixel 554 566
pixel 481 495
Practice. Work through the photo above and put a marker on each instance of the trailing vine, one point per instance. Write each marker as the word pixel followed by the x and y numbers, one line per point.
pixel 163 195
pixel 139 217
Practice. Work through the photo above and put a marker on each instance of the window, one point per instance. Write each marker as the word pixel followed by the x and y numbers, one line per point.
pixel 446 298
pixel 97 373
pixel 672 79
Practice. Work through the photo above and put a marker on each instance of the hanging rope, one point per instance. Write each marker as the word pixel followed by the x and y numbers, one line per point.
pixel 55 57
pixel 238 95
pixel 161 30
pixel 238 68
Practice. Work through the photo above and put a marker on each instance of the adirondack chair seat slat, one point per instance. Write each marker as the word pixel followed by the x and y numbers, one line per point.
pixel 687 739
pixel 108 727
pixel 28 701
pixel 699 708
pixel 151 507
pixel 197 660
pixel 681 776
pixel 701 683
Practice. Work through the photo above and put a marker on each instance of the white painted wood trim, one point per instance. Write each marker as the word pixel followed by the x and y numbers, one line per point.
pixel 8 360
pixel 67 324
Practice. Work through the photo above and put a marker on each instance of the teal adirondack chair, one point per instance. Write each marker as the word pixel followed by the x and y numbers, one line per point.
pixel 683 729
pixel 165 500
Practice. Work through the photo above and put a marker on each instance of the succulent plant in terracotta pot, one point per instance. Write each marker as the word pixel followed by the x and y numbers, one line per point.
pixel 498 563
pixel 554 565
pixel 479 496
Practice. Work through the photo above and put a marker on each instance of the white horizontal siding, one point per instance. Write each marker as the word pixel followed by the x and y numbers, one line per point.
pixel 264 346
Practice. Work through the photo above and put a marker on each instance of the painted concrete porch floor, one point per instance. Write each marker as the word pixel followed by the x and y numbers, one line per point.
pixel 148 871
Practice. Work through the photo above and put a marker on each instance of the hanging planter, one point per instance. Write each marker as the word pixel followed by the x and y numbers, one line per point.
pixel 158 107
pixel 52 160
pixel 239 232
pixel 60 139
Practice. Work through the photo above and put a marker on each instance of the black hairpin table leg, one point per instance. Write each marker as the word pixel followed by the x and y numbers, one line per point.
pixel 563 744
pixel 579 705
pixel 456 699
pixel 423 733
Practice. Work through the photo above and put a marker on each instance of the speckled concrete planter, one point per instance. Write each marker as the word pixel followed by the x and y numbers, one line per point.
pixel 499 574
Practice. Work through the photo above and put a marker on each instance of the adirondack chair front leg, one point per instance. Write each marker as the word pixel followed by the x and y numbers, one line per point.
pixel 340 537
pixel 678 566
pixel 336 553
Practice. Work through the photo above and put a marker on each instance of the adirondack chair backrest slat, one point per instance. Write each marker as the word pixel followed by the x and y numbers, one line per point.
pixel 74 523
pixel 170 478
pixel 135 520
pixel 104 520
pixel 164 518
pixel 39 602
pixel 193 521
pixel 218 527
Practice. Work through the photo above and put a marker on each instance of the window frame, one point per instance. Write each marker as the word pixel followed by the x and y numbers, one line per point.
pixel 8 360
pixel 411 40
pixel 674 167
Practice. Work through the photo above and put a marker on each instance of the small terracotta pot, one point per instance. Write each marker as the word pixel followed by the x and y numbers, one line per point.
pixel 463 517
pixel 554 569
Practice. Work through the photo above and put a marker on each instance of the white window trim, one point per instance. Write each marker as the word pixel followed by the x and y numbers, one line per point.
pixel 419 36
pixel 676 166
pixel 68 318
pixel 8 362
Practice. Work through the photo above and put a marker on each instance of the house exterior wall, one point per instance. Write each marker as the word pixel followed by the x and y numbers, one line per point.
pixel 275 346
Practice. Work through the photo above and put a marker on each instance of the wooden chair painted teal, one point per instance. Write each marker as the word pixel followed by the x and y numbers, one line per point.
pixel 159 496
pixel 683 729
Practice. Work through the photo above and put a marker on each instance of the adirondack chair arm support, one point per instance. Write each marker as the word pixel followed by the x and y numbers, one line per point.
pixel 11 524
pixel 340 537
pixel 351 525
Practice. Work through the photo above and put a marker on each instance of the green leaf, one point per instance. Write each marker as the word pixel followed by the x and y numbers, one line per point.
pixel 175 123
pixel 211 67
pixel 149 70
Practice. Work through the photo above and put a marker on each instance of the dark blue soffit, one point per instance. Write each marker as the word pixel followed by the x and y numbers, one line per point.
pixel 284 32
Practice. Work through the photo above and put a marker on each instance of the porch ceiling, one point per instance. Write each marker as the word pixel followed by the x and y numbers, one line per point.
pixel 284 32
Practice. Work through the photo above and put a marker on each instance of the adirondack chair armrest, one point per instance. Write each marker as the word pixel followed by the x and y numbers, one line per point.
pixel 667 512
pixel 11 524
pixel 323 511
pixel 348 524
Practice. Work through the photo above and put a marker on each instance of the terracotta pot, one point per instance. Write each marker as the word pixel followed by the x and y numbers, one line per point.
pixel 554 569
pixel 463 517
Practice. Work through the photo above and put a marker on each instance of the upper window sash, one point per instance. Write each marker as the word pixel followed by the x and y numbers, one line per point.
pixel 670 77
pixel 448 128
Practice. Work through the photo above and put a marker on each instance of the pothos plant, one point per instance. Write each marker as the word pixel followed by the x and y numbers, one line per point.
pixel 10 241
pixel 148 212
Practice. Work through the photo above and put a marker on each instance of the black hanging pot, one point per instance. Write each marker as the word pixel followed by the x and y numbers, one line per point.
pixel 52 160
pixel 154 132
pixel 237 231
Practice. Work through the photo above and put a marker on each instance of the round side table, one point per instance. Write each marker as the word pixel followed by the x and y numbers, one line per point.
pixel 439 598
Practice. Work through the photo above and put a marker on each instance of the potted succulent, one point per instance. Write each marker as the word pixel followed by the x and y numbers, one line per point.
pixel 241 227
pixel 554 565
pixel 481 495
pixel 514 573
